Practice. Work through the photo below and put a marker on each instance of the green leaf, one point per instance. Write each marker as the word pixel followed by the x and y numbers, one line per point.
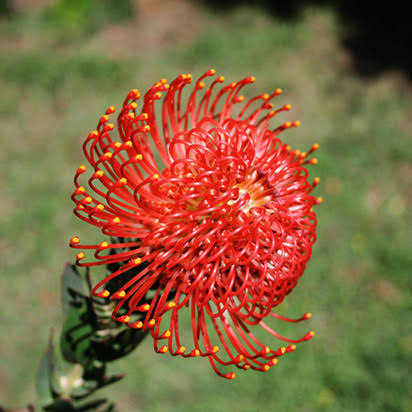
pixel 76 334
pixel 94 406
pixel 44 374
pixel 60 405
pixel 73 287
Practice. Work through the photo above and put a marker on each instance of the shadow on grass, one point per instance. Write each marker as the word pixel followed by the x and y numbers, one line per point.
pixel 376 34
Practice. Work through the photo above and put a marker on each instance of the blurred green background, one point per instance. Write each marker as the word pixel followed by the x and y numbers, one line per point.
pixel 63 62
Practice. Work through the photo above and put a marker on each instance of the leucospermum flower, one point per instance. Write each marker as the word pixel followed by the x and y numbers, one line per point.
pixel 215 211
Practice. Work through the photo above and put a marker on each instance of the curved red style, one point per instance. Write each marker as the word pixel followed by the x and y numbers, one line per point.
pixel 211 206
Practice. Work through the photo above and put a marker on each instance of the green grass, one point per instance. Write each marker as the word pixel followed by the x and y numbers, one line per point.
pixel 357 284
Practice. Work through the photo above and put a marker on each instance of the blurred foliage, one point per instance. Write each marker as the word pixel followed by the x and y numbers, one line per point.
pixel 56 80
pixel 74 17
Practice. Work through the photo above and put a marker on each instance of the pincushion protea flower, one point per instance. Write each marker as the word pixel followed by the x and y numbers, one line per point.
pixel 211 206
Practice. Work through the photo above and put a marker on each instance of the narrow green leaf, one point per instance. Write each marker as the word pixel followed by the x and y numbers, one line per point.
pixel 44 374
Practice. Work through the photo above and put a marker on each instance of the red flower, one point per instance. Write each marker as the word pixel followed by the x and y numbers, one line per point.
pixel 218 219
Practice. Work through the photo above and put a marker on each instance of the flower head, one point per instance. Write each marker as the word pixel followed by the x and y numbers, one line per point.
pixel 206 209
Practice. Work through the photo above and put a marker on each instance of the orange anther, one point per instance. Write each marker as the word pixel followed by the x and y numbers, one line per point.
pixel 137 325
pixel 74 240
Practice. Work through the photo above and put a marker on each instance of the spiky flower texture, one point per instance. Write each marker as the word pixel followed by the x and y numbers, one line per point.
pixel 208 209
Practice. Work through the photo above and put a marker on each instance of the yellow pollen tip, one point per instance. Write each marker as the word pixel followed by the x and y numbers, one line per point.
pixel 279 91
pixel 138 325
pixel 117 144
pixel 106 117
pixel 319 199
pixel 116 220
pixel 108 154
pixel 105 293
pixel 246 367
pixel 123 180
pixel 158 95
pixel 283 349
pixel 314 161
pixel 288 124
pixel 182 349
pixel 171 305
pixel 111 125
pixel 183 77
pixel 267 349
pixel 271 113
pixel 147 128
pixel 100 206
pixel 164 349
pixel 81 189
pixel 167 334
pixel 197 352
pixel 233 84
pixel 201 85
pixel 288 148
pixel 293 347
pixel 95 133
pixel 88 199
pixel 266 368
pixel 156 176
pixel 241 98
pixel 163 81
pixel 212 71
pixel 312 333
pixel 296 123
pixel 151 322
pixel 82 168
pixel 265 96
pixel 221 78
pixel 146 307
pixel 134 105
pixel 189 75
pixel 121 294
pixel 287 106
pixel 129 143
pixel 104 244
pixel 215 349
pixel 126 319
pixel 297 152
pixel 241 357
pixel 253 79
pixel 80 256
pixel 139 157
pixel 99 173
pixel 74 240
pixel 132 115
pixel 137 261
pixel 274 362
pixel 315 146
pixel 308 315
pixel 316 180
pixel 233 375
